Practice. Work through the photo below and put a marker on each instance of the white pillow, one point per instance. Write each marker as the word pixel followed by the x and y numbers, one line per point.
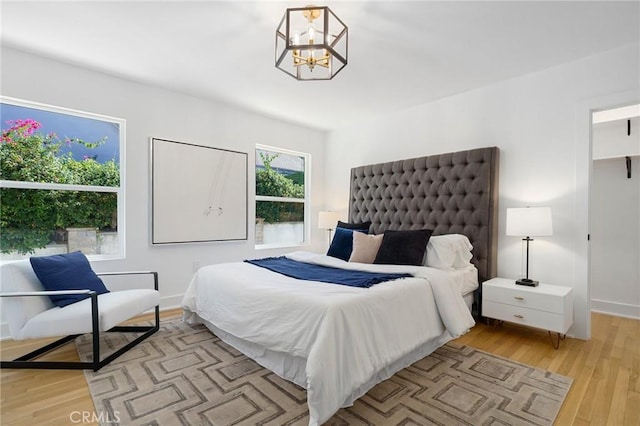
pixel 365 247
pixel 449 251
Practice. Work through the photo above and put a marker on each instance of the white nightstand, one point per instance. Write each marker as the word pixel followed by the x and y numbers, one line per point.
pixel 549 307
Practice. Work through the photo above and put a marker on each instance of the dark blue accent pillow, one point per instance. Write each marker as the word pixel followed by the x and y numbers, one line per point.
pixel 70 271
pixel 364 226
pixel 342 243
pixel 403 247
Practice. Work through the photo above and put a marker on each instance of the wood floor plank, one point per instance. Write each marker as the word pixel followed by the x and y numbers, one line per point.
pixel 606 373
pixel 619 398
pixel 631 412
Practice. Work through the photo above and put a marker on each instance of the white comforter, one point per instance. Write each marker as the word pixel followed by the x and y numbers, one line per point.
pixel 346 334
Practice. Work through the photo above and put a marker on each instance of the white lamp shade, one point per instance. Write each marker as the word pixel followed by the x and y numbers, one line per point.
pixel 328 220
pixel 529 222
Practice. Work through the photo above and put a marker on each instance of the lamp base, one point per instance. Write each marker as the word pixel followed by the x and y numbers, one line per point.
pixel 527 282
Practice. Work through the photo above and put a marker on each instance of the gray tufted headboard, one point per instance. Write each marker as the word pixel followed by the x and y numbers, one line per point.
pixel 449 193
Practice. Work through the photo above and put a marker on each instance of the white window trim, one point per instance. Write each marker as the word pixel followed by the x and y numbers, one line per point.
pixel 280 199
pixel 55 186
pixel 306 200
pixel 64 187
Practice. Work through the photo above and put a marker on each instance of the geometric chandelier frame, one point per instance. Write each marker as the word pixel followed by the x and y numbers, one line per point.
pixel 311 43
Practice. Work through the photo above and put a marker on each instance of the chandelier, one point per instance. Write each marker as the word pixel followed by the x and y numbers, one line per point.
pixel 311 43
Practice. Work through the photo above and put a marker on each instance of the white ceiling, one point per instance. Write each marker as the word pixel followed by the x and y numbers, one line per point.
pixel 400 53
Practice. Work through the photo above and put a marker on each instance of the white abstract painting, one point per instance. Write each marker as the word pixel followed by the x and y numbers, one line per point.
pixel 199 193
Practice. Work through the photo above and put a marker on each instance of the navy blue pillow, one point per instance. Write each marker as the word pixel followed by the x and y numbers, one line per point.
pixel 364 226
pixel 342 243
pixel 70 271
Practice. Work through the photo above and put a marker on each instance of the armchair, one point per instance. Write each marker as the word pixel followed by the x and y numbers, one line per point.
pixel 31 315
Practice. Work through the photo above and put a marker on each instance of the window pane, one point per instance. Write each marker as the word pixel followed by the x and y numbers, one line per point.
pixel 45 146
pixel 36 221
pixel 279 222
pixel 279 174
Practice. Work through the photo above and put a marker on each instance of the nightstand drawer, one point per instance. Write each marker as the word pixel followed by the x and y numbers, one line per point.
pixel 525 298
pixel 526 316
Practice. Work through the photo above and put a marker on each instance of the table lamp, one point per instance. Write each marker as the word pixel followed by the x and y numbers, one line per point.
pixel 328 220
pixel 529 222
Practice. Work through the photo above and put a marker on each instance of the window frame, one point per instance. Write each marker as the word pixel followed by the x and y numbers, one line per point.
pixel 306 201
pixel 120 190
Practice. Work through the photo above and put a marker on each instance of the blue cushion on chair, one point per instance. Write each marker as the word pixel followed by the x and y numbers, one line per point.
pixel 70 271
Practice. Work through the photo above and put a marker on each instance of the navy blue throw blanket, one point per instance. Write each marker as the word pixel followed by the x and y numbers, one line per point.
pixel 326 274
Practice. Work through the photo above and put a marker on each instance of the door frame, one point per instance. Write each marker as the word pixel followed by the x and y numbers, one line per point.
pixel 584 170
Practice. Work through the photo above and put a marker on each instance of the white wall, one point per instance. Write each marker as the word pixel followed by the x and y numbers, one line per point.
pixel 615 225
pixel 152 111
pixel 534 121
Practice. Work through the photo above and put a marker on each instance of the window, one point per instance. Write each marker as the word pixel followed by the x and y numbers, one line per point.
pixel 60 181
pixel 282 197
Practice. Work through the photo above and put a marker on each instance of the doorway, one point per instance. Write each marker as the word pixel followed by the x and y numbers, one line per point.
pixel 614 206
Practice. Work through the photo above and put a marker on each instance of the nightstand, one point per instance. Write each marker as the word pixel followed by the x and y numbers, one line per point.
pixel 549 307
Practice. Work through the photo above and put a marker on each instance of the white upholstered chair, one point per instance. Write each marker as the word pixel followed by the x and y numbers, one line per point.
pixel 30 315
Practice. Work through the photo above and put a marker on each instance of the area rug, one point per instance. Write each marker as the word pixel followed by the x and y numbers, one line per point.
pixel 184 375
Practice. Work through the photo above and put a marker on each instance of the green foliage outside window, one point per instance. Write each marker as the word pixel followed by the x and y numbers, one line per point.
pixel 29 217
pixel 271 183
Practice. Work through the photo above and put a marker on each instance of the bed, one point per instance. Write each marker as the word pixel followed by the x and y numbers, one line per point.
pixel 338 341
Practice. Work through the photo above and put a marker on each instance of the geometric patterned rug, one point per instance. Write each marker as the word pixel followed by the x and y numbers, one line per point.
pixel 184 375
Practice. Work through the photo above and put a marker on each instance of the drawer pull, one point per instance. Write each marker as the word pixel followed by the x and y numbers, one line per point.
pixel 518 297
pixel 518 316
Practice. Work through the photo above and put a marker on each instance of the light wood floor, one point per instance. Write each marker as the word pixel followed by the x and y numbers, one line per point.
pixel 605 391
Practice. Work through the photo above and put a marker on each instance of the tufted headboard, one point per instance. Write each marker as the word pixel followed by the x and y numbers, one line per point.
pixel 449 193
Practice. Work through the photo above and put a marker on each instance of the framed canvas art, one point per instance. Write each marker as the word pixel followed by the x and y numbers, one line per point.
pixel 198 193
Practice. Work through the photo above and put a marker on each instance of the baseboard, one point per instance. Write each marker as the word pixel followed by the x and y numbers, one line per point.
pixel 171 302
pixel 166 303
pixel 4 331
pixel 615 308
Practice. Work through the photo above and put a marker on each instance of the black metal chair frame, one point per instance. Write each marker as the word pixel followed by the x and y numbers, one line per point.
pixel 96 363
